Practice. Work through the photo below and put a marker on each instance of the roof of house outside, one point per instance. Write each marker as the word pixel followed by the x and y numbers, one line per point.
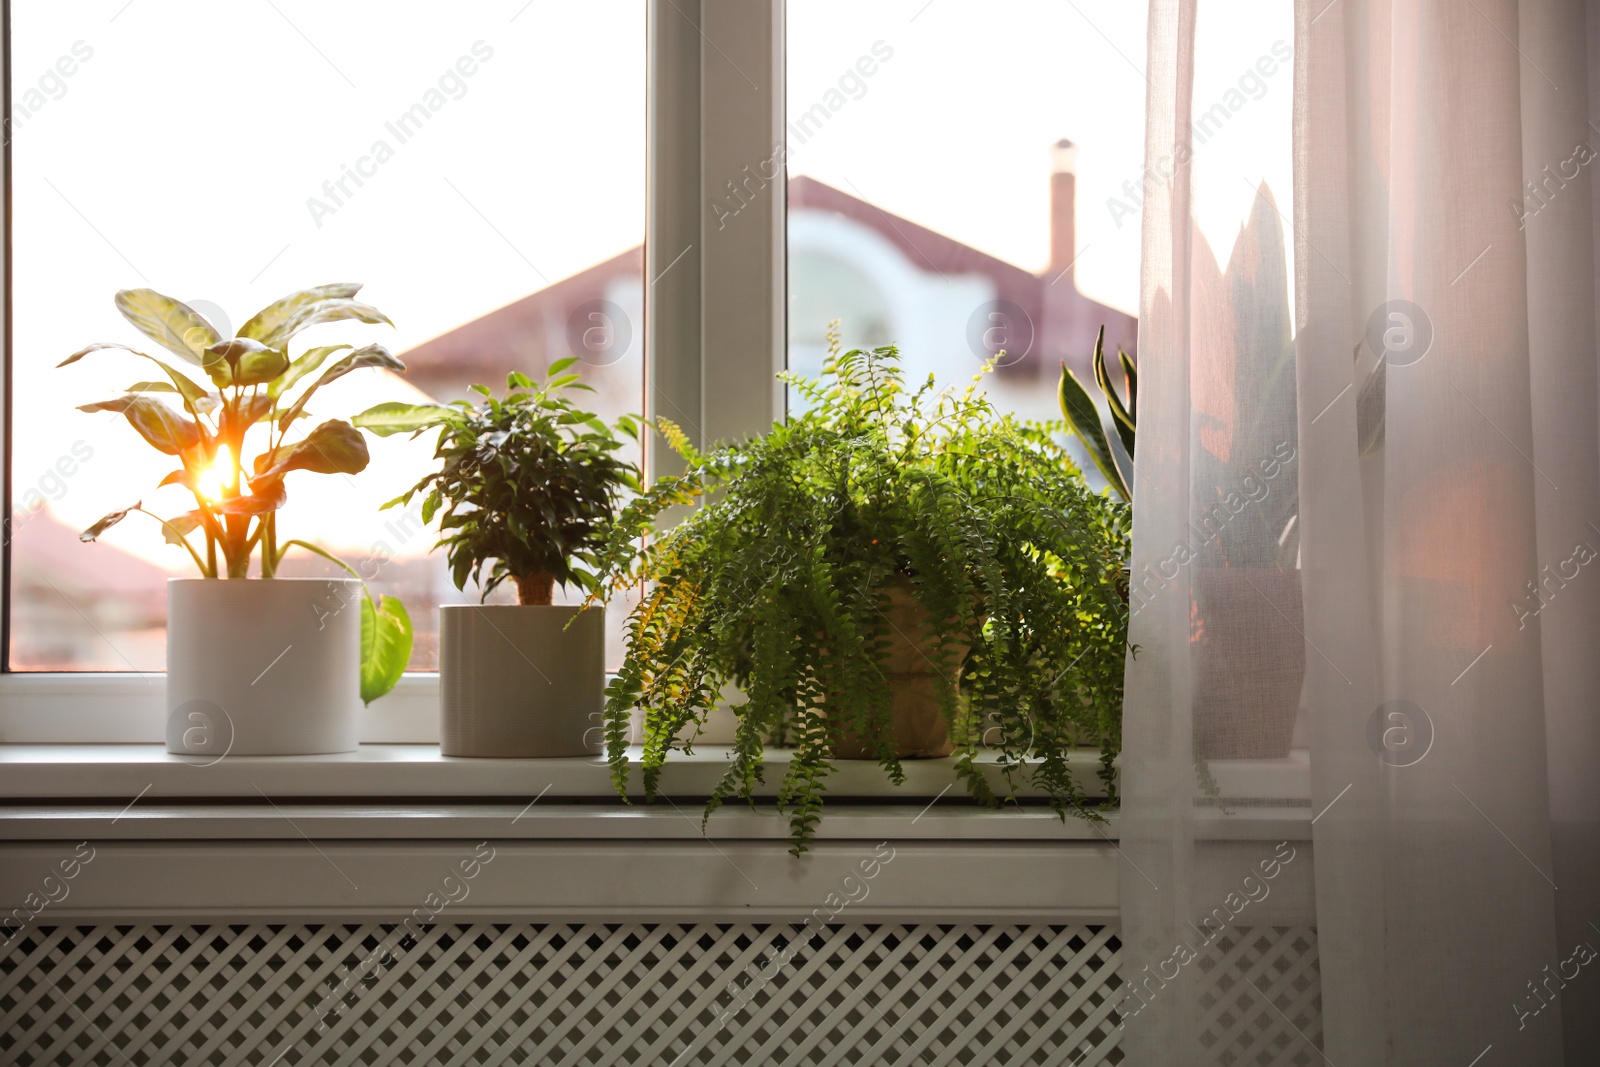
pixel 532 332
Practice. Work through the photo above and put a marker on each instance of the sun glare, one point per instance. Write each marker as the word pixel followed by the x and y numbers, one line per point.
pixel 218 477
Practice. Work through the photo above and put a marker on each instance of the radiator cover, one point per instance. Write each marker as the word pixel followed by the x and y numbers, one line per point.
pixel 650 993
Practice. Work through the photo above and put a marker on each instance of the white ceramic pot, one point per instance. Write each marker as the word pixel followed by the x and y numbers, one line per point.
pixel 263 667
pixel 516 680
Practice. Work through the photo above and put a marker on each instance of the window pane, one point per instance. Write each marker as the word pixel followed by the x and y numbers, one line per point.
pixel 479 167
pixel 935 201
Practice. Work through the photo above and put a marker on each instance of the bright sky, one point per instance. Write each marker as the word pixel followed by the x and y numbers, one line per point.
pixel 954 130
pixel 181 153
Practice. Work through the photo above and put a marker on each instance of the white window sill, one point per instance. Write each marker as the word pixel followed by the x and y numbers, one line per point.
pixel 366 835
pixel 418 770
pixel 412 786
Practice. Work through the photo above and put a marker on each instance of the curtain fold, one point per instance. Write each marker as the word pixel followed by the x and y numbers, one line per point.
pixel 1387 525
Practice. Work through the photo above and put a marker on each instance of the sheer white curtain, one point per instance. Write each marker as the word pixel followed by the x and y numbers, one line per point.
pixel 1390 523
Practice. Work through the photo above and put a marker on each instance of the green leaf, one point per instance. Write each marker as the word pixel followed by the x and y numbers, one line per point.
pixel 266 495
pixel 1371 405
pixel 163 428
pixel 1121 419
pixel 335 447
pixel 170 323
pixel 399 417
pixel 308 361
pixel 242 361
pixel 1130 370
pixel 253 409
pixel 385 645
pixel 175 529
pixel 1083 418
pixel 280 320
pixel 107 522
pixel 557 367
pixel 194 397
pixel 370 356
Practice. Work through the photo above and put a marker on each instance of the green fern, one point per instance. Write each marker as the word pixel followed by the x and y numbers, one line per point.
pixel 777 583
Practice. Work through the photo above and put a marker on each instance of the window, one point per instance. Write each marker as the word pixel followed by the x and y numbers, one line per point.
pixel 962 209
pixel 547 198
pixel 478 167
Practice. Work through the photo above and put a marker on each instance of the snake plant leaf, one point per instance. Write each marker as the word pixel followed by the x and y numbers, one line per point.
pixel 1370 408
pixel 165 429
pixel 108 521
pixel 194 396
pixel 335 447
pixel 244 361
pixel 370 356
pixel 1083 418
pixel 1130 371
pixel 1121 418
pixel 386 638
pixel 397 416
pixel 307 362
pixel 280 320
pixel 170 323
pixel 266 495
pixel 1370 405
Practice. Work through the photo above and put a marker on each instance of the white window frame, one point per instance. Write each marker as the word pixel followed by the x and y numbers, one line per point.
pixel 715 320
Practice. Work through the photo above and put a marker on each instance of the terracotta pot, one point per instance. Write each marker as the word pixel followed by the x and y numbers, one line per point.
pixel 920 729
pixel 1250 661
pixel 263 667
pixel 516 681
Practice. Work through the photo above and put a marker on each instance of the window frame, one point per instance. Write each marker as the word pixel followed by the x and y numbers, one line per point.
pixel 715 323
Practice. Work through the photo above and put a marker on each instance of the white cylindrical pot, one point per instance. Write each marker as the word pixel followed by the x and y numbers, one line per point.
pixel 263 667
pixel 517 681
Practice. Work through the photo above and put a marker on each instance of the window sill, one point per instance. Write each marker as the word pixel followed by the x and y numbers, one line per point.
pixel 366 835
pixel 418 770
pixel 412 790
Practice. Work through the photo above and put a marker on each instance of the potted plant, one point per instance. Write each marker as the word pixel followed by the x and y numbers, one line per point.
pixel 275 666
pixel 1247 606
pixel 1083 418
pixel 881 576
pixel 529 486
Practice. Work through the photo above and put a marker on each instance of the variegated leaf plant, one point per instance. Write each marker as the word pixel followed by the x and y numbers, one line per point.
pixel 243 382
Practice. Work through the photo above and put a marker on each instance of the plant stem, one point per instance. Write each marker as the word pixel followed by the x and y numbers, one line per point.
pixel 324 553
pixel 269 543
pixel 205 572
pixel 537 588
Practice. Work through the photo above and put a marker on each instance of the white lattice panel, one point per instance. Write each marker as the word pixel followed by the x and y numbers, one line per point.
pixel 649 994
pixel 1277 1021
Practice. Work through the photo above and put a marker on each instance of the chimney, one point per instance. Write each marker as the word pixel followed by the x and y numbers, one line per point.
pixel 1063 196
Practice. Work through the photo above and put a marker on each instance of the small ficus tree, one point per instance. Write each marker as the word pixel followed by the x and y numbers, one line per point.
pixel 249 393
pixel 529 483
pixel 779 584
